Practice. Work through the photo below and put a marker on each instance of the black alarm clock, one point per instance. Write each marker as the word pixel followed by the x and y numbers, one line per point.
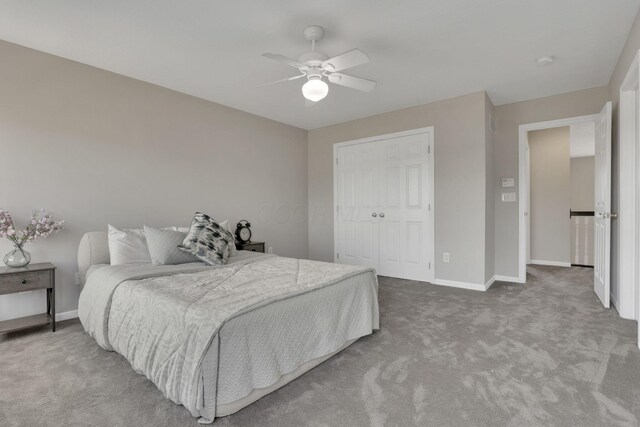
pixel 243 231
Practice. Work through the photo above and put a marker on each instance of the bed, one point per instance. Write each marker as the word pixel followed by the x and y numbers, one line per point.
pixel 216 339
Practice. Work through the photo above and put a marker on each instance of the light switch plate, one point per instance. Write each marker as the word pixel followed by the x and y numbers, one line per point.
pixel 508 182
pixel 508 197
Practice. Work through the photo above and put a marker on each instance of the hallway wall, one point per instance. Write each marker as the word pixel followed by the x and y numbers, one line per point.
pixel 582 183
pixel 550 195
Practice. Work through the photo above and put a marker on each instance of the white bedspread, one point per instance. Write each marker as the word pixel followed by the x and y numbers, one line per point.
pixel 163 319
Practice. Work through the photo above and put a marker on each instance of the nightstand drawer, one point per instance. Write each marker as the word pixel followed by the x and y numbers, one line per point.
pixel 27 281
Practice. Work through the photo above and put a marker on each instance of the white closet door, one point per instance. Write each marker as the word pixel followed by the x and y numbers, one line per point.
pixel 358 234
pixel 403 211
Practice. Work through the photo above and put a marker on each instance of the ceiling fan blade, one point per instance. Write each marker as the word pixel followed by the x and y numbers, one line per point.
pixel 346 60
pixel 352 82
pixel 283 80
pixel 282 58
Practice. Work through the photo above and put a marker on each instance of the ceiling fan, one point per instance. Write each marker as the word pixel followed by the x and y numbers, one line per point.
pixel 315 66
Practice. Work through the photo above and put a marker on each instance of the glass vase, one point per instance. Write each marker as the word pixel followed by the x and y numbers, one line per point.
pixel 18 257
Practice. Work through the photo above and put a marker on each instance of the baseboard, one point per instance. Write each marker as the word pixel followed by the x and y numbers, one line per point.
pixel 66 315
pixel 489 283
pixel 461 285
pixel 551 263
pixel 615 305
pixel 622 313
pixel 501 278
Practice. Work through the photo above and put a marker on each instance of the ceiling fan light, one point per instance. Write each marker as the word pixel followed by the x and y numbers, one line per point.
pixel 315 90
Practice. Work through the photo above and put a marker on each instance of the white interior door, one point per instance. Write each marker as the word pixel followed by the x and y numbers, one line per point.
pixel 602 232
pixel 383 205
pixel 357 190
pixel 404 207
pixel 527 174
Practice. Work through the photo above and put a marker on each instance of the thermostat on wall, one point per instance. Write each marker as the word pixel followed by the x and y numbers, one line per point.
pixel 508 182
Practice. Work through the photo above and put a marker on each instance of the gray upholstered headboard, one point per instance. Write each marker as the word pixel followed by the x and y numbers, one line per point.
pixel 93 249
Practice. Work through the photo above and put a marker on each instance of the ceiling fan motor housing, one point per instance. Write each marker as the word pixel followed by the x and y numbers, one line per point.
pixel 313 59
pixel 314 73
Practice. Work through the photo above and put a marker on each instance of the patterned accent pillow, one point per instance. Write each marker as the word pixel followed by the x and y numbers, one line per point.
pixel 232 251
pixel 207 240
pixel 163 246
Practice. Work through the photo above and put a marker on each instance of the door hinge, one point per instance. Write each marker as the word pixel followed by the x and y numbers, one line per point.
pixel 429 207
pixel 338 255
pixel 338 209
pixel 428 149
pixel 336 160
pixel 429 265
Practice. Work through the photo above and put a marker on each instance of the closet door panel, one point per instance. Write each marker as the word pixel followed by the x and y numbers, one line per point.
pixel 404 227
pixel 414 232
pixel 390 209
pixel 357 196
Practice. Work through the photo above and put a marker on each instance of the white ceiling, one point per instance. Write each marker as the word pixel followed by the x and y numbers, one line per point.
pixel 582 139
pixel 420 50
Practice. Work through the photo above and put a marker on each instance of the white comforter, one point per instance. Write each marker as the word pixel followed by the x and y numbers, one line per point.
pixel 164 321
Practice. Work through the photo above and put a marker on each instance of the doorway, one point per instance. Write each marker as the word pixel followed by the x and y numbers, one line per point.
pixel 561 167
pixel 602 196
pixel 384 204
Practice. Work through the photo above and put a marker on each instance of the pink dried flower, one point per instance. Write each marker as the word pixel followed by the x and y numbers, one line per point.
pixel 40 225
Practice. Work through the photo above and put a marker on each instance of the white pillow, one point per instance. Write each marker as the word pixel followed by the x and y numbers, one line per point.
pixel 127 246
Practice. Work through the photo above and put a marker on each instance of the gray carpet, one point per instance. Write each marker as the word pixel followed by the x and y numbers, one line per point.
pixel 545 353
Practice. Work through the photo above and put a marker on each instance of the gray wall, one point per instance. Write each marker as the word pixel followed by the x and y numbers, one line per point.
pixel 460 174
pixel 96 148
pixel 583 183
pixel 490 190
pixel 508 118
pixel 550 195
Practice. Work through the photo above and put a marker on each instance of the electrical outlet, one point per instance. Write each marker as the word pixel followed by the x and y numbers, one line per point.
pixel 446 257
pixel 78 279
pixel 270 250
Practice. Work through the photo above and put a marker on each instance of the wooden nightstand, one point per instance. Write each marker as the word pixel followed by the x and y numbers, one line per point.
pixel 251 246
pixel 30 278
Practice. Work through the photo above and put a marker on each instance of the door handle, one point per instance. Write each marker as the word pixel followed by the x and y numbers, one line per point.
pixel 612 215
pixel 381 214
pixel 374 214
